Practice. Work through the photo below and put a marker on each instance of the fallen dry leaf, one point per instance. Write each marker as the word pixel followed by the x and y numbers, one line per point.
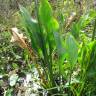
pixel 70 19
pixel 18 38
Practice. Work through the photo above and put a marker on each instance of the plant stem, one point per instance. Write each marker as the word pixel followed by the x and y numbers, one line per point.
pixel 36 65
pixel 70 76
pixel 47 59
pixel 37 16
pixel 94 31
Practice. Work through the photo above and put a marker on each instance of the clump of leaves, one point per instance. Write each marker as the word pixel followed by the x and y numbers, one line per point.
pixel 46 41
pixel 45 38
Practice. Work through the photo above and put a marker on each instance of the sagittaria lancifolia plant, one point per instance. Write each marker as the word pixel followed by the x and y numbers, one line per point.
pixel 47 43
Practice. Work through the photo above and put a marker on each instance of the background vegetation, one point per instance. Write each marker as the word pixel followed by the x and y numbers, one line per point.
pixel 52 50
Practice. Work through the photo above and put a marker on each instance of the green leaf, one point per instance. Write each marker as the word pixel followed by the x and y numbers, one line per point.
pixel 52 25
pixel 29 23
pixel 92 62
pixel 33 30
pixel 45 12
pixel 46 16
pixel 71 49
pixel 85 19
pixel 60 51
pixel 9 92
pixel 75 30
pixel 59 44
pixel 49 23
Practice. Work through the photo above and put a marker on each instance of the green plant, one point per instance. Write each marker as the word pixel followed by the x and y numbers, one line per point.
pixel 45 38
pixel 53 51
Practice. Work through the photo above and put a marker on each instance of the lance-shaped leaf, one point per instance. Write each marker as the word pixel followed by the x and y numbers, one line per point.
pixel 48 21
pixel 32 28
pixel 60 50
pixel 45 12
pixel 71 49
pixel 46 16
